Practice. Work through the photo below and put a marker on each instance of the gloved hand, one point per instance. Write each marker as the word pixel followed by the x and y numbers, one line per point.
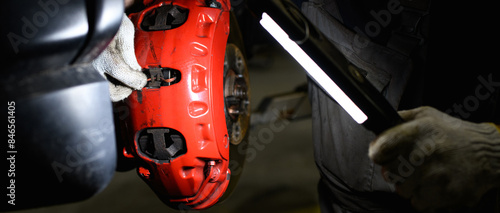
pixel 118 64
pixel 438 161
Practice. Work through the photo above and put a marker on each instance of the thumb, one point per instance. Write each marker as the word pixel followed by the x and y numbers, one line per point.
pixel 416 113
pixel 118 93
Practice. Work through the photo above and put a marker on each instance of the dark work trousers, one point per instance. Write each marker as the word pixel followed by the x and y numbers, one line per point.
pixel 350 181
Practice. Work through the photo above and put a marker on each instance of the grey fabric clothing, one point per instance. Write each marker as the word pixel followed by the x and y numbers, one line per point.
pixel 381 63
pixel 350 180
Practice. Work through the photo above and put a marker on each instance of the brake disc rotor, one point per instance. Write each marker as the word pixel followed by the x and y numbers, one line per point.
pixel 236 94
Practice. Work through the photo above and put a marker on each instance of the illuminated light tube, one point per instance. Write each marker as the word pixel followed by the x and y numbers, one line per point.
pixel 312 68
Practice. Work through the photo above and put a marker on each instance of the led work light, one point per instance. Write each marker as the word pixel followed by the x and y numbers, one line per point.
pixel 325 64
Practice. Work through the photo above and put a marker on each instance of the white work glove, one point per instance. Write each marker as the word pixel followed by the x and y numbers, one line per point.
pixel 118 64
pixel 437 161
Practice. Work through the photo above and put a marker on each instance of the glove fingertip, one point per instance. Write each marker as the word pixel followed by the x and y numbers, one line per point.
pixel 140 82
pixel 393 142
pixel 375 149
pixel 118 93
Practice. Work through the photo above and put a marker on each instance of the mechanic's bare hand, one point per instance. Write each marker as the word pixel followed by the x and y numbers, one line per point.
pixel 438 161
pixel 118 63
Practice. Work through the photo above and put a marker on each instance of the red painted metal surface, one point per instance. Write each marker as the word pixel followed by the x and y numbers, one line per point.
pixel 193 107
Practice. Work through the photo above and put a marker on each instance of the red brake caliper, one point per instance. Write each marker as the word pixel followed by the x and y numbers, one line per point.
pixel 177 121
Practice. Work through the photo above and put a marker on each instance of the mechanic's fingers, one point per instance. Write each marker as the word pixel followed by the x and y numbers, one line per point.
pixel 118 93
pixel 127 70
pixel 387 145
pixel 396 141
pixel 125 42
pixel 110 63
pixel 133 79
pixel 418 129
